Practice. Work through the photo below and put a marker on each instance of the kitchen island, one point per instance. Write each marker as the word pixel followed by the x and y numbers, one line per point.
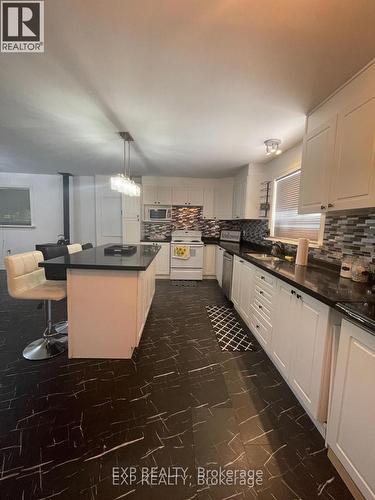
pixel 109 297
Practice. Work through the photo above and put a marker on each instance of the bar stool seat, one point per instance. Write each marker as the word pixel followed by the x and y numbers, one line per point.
pixel 27 281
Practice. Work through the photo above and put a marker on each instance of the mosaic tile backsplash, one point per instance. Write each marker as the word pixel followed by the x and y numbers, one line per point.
pixel 352 234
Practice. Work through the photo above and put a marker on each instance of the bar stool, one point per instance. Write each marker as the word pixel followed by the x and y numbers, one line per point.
pixel 56 274
pixel 27 281
pixel 74 248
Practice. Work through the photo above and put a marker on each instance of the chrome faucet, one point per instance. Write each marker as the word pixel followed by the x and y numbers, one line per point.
pixel 278 249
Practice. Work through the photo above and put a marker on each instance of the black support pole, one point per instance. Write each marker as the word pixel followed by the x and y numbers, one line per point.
pixel 66 205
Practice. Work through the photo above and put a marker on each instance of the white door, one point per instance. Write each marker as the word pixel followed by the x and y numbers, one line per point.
pixel 236 282
pixel 208 203
pixel 209 260
pixel 195 196
pixel 219 265
pixel 108 207
pixel 283 327
pixel 316 167
pixel 351 425
pixel 309 351
pixel 246 290
pixel 179 195
pixel 149 195
pixel 131 226
pixel 353 181
pixel 164 195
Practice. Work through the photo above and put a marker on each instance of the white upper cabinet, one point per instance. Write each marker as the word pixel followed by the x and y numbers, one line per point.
pixel 239 197
pixel 317 163
pixel 187 196
pixel 223 201
pixel 353 181
pixel 338 161
pixel 157 195
pixel 208 203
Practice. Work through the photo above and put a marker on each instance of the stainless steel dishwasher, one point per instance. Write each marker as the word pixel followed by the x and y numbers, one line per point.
pixel 227 274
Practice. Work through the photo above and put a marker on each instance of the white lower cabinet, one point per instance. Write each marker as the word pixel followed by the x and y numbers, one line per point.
pixel 242 287
pixel 219 264
pixel 293 328
pixel 162 260
pixel 310 359
pixel 146 291
pixel 351 425
pixel 209 260
pixel 284 328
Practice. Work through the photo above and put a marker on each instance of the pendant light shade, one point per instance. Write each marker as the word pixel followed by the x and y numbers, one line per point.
pixel 122 182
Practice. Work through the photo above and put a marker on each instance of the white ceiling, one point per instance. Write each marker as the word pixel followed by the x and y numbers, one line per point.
pixel 200 84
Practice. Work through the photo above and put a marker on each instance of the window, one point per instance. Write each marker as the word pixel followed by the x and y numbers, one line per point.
pixel 286 222
pixel 15 207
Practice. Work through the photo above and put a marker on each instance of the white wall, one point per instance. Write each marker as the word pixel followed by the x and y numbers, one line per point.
pixel 283 164
pixel 47 213
pixel 84 210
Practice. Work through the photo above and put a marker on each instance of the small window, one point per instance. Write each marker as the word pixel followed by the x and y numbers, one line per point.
pixel 15 207
pixel 286 222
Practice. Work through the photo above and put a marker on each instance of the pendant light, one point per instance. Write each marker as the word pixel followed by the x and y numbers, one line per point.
pixel 122 182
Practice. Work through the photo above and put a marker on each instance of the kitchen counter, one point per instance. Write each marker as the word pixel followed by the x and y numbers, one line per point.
pixel 94 258
pixel 362 313
pixel 318 280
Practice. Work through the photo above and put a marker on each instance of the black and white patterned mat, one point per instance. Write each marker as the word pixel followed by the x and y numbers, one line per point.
pixel 229 333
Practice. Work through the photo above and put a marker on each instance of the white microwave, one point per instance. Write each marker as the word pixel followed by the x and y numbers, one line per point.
pixel 157 213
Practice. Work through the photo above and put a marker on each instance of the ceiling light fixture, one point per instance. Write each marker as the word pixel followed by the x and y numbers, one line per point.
pixel 122 182
pixel 273 147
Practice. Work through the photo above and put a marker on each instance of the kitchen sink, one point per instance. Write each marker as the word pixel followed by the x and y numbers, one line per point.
pixel 264 256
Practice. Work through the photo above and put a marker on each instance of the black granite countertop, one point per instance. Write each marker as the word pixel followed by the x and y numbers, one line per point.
pixel 94 258
pixel 362 313
pixel 318 280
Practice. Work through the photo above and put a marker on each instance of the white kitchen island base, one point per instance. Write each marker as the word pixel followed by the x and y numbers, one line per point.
pixel 107 311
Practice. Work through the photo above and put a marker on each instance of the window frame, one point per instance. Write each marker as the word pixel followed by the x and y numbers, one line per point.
pixel 291 241
pixel 19 226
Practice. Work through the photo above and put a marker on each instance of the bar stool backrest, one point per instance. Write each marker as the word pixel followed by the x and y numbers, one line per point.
pixel 23 272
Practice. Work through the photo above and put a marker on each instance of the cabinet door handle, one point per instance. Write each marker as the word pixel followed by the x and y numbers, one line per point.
pixel 260 307
pixel 262 278
pixel 256 326
pixel 261 292
pixel 299 296
pixel 241 261
pixel 330 205
pixel 293 292
pixel 323 207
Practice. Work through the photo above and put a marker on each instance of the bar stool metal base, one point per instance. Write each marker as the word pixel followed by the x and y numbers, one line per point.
pixel 45 348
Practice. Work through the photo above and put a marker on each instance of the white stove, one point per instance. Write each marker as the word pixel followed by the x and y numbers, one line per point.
pixel 186 255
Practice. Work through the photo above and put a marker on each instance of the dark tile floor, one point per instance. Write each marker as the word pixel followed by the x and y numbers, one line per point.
pixel 83 428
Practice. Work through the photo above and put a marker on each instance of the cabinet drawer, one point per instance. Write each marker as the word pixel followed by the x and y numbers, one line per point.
pixel 261 329
pixel 265 279
pixel 263 295
pixel 261 311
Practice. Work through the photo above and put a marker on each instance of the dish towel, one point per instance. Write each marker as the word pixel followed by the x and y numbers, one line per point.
pixel 181 251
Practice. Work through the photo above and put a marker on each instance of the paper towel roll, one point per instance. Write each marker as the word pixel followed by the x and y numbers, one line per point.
pixel 302 252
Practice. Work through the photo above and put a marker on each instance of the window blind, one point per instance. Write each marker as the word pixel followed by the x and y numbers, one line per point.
pixel 287 223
